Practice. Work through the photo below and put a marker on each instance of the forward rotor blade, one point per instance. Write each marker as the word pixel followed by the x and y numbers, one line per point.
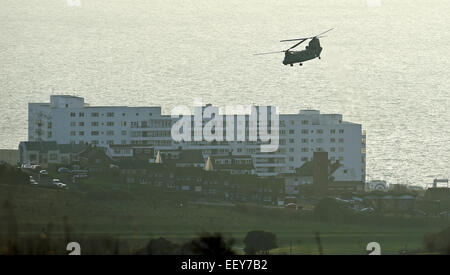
pixel 268 53
pixel 298 44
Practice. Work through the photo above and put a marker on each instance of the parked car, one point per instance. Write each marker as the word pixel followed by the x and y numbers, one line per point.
pixel 62 185
pixel 33 182
pixel 367 210
pixel 418 212
pixel 43 173
pixel 80 176
pixel 63 170
pixel 291 206
pixel 444 214
pixel 80 171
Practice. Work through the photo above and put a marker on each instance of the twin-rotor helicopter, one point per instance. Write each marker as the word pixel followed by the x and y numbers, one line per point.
pixel 312 51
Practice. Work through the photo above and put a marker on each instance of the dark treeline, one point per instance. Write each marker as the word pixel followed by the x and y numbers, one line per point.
pixel 11 175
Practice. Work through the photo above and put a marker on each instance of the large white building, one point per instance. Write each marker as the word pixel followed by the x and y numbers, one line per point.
pixel 69 120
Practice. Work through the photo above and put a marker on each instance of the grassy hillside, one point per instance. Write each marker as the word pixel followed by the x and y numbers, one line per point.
pixel 137 213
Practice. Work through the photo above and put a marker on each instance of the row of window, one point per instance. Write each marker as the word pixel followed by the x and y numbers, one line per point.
pixel 96 133
pixel 307 158
pixel 306 131
pixel 96 123
pixel 306 140
pixel 96 114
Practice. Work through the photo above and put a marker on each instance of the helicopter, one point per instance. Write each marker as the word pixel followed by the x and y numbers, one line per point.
pixel 311 51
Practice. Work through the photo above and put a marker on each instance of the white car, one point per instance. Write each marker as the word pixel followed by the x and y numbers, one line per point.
pixel 43 172
pixel 59 183
pixel 33 182
pixel 62 185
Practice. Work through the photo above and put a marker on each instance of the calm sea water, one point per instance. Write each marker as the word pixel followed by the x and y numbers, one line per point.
pixel 384 66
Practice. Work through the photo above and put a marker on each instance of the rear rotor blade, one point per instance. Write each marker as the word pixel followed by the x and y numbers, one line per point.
pixel 324 32
pixel 297 44
pixel 268 53
pixel 304 38
pixel 295 39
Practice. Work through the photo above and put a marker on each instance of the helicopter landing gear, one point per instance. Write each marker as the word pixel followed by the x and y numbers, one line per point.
pixel 320 58
pixel 292 65
pixel 301 64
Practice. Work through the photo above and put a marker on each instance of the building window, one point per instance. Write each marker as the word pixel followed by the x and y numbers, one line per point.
pixel 305 149
pixel 94 114
pixel 49 125
pixel 72 133
pixel 81 133
pixel 124 133
pixel 72 114
pixel 305 131
pixel 124 123
pixel 304 140
pixel 81 114
pixel 110 114
pixel 319 131
pixel 341 131
pixel 94 142
pixel 332 149
pixel 94 123
pixel 305 122
pixel 110 133
pixel 81 123
pixel 49 134
pixel 332 140
pixel 110 123
pixel 332 131
pixel 291 132
pixel 94 133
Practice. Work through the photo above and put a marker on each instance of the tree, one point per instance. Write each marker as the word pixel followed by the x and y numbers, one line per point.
pixel 439 242
pixel 259 242
pixel 330 210
pixel 209 245
pixel 162 246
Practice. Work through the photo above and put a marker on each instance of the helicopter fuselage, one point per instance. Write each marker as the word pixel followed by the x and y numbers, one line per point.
pixel 292 57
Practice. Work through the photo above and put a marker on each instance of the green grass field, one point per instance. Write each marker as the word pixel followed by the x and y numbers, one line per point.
pixel 137 213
